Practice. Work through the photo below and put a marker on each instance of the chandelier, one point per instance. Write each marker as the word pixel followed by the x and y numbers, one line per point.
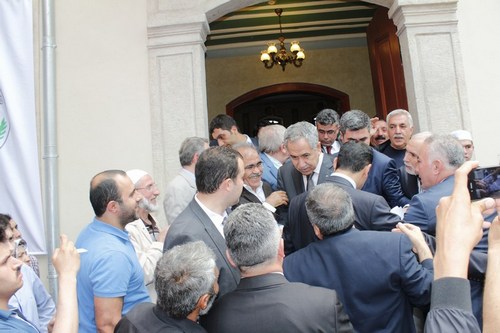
pixel 272 56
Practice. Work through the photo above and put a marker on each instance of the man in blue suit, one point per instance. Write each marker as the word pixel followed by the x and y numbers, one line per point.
pixel 439 157
pixel 383 178
pixel 272 153
pixel 376 274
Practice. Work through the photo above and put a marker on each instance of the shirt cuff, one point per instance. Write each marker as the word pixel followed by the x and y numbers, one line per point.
pixel 269 207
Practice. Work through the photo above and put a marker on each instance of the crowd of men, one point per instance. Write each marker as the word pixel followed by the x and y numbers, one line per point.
pixel 349 224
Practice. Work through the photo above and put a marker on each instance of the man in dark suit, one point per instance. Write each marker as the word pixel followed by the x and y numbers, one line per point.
pixel 264 300
pixel 307 165
pixel 371 211
pixel 219 180
pixel 383 178
pixel 272 152
pixel 254 189
pixel 376 274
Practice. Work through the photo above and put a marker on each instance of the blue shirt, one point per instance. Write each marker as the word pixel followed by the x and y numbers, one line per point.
pixel 33 300
pixel 110 268
pixel 9 322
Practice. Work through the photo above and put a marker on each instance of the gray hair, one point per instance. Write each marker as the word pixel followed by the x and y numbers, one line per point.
pixel 240 146
pixel 354 120
pixel 327 117
pixel 447 149
pixel 190 147
pixel 184 274
pixel 301 130
pixel 329 207
pixel 252 235
pixel 271 137
pixel 399 112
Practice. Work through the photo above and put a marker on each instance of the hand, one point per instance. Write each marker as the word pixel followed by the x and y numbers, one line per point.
pixel 373 121
pixel 65 259
pixel 277 198
pixel 163 234
pixel 416 237
pixel 459 226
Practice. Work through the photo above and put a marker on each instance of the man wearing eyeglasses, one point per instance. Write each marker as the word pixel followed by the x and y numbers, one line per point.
pixel 144 233
pixel 254 189
pixel 327 123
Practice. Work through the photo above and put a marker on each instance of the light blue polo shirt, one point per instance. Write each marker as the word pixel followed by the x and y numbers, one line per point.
pixel 10 322
pixel 110 268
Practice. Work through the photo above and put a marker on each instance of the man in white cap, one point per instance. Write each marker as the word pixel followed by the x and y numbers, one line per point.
pixel 144 232
pixel 465 139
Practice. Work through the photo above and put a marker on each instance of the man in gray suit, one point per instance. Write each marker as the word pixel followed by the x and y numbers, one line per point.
pixel 264 300
pixel 307 165
pixel 219 180
pixel 180 191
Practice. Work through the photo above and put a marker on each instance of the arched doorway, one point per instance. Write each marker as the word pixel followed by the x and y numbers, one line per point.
pixel 289 102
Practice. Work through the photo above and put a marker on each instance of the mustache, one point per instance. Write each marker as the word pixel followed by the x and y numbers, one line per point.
pixel 255 175
pixel 380 137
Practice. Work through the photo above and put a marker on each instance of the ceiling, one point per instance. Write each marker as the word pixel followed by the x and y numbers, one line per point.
pixel 314 23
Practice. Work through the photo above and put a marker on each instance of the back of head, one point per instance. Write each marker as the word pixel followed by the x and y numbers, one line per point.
pixel 252 235
pixel 354 120
pixel 271 137
pixel 103 189
pixel 189 148
pixel 447 149
pixel 214 166
pixel 182 276
pixel 302 130
pixel 327 117
pixel 222 121
pixel 329 207
pixel 354 156
pixel 4 226
pixel 399 112
pixel 420 137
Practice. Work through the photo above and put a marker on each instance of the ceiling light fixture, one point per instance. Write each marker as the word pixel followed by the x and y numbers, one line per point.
pixel 272 56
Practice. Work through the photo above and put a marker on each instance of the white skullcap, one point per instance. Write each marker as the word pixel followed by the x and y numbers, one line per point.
pixel 136 174
pixel 462 135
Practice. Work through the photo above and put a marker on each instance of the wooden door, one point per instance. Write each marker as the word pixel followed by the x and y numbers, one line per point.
pixel 386 64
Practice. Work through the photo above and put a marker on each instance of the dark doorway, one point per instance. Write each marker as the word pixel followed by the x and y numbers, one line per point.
pixel 287 102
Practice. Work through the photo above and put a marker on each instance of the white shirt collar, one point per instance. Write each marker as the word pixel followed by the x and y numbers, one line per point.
pixel 346 177
pixel 214 217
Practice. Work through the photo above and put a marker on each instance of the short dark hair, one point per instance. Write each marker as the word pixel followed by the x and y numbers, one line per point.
pixel 103 189
pixel 214 166
pixel 354 156
pixel 4 225
pixel 354 120
pixel 222 121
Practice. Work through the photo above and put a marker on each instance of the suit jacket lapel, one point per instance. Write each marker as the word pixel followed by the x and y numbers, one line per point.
pixel 326 168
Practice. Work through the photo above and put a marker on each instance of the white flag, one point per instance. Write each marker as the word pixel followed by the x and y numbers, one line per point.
pixel 20 191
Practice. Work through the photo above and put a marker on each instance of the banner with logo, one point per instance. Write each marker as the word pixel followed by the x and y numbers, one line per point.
pixel 20 190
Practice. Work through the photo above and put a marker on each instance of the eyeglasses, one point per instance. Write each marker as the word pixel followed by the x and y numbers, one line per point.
pixel 149 188
pixel 253 166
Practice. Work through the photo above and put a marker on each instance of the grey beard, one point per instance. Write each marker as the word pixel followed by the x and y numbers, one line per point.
pixel 147 205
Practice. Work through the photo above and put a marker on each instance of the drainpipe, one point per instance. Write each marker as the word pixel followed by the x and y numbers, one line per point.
pixel 50 157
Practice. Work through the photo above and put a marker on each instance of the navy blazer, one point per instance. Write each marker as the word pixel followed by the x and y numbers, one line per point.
pixel 193 224
pixel 383 180
pixel 375 274
pixel 269 171
pixel 422 210
pixel 269 303
pixel 371 213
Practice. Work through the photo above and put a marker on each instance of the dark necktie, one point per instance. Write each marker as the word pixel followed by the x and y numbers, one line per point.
pixel 329 150
pixel 310 182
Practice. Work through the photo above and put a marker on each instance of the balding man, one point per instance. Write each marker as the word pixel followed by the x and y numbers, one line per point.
pixel 111 280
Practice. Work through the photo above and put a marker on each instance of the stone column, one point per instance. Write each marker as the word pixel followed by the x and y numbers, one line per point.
pixel 178 101
pixel 432 61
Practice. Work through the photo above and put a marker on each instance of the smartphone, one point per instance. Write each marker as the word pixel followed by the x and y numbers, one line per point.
pixel 484 183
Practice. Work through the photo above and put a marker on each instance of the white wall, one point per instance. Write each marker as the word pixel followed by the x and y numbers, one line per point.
pixel 102 98
pixel 479 35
